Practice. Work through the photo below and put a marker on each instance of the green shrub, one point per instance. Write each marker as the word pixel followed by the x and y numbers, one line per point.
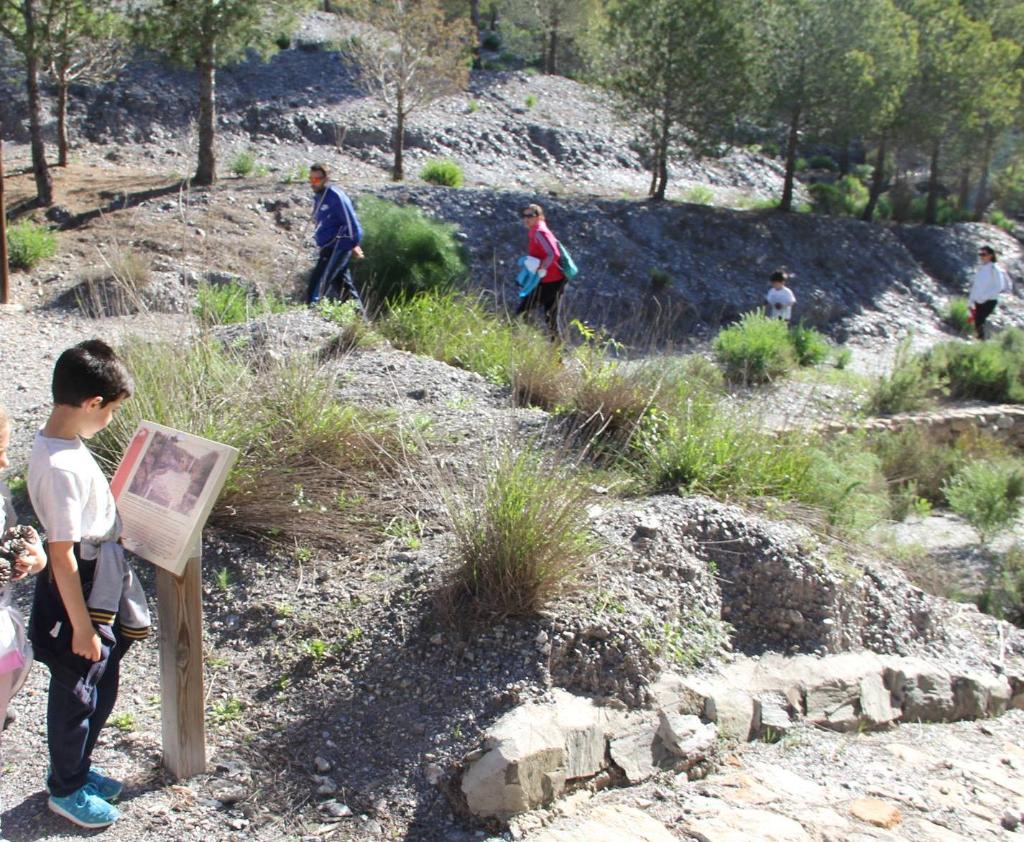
pixel 847 197
pixel 863 173
pixel 1001 220
pixel 300 451
pixel 243 164
pixel 233 303
pixel 991 371
pixel 28 243
pixel 445 173
pixel 846 481
pixel 530 101
pixel 908 387
pixel 473 106
pixel 915 467
pixel 521 539
pixel 700 195
pixel 810 347
pixel 355 330
pixel 800 165
pixel 843 357
pixel 987 495
pixel 299 174
pixel 822 162
pixel 1004 593
pixel 660 280
pixel 755 350
pixel 957 315
pixel 491 41
pixel 406 253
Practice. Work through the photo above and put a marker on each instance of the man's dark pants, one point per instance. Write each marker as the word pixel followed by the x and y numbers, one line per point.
pixel 981 313
pixel 332 277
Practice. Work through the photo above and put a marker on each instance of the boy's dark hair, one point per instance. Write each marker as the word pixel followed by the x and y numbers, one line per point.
pixel 90 369
pixel 991 252
pixel 320 168
pixel 778 276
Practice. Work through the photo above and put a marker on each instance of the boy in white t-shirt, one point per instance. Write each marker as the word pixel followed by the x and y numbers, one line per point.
pixel 15 652
pixel 779 300
pixel 81 642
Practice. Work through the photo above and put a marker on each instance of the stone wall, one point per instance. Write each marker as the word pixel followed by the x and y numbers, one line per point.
pixel 1004 421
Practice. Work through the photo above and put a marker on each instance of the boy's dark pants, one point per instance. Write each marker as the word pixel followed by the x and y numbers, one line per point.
pixel 82 692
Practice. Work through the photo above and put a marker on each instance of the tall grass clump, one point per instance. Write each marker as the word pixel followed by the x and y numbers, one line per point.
pixel 521 539
pixel 29 243
pixel 1003 596
pixel 354 330
pixel 909 386
pixel 309 468
pixel 443 172
pixel 987 495
pixel 957 316
pixel 755 350
pixel 233 303
pixel 406 253
pixel 243 164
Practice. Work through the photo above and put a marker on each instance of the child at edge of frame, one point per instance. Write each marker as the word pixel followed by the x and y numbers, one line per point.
pixel 88 605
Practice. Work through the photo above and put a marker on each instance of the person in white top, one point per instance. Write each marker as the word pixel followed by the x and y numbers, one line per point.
pixel 989 281
pixel 779 300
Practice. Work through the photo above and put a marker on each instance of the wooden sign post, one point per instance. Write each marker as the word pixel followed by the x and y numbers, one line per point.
pixel 180 617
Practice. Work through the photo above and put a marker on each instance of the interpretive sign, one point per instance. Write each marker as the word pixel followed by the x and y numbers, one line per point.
pixel 165 486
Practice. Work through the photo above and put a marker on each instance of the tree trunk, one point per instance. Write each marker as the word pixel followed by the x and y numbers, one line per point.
pixel 5 271
pixel 877 182
pixel 398 144
pixel 963 198
pixel 981 198
pixel 661 160
pixel 551 59
pixel 932 206
pixel 786 203
pixel 62 117
pixel 474 17
pixel 44 181
pixel 206 171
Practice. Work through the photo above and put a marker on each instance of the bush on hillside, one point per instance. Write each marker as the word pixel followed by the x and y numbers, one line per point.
pixel 445 173
pixel 309 469
pixel 909 386
pixel 1004 594
pixel 991 371
pixel 243 164
pixel 847 197
pixel 987 495
pixel 406 253
pixel 521 539
pixel 233 303
pixel 810 347
pixel 28 243
pixel 915 467
pixel 957 315
pixel 755 350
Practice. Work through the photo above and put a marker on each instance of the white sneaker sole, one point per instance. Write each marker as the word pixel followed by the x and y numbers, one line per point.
pixel 60 811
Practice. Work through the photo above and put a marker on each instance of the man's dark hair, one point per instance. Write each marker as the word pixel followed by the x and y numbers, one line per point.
pixel 320 168
pixel 778 276
pixel 88 370
pixel 991 252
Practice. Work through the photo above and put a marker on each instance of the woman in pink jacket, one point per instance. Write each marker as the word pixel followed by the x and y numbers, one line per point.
pixel 541 243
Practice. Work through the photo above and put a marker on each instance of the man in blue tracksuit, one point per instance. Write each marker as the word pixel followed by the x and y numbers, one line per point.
pixel 337 235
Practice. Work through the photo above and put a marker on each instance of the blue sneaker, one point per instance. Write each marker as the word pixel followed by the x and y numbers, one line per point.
pixel 106 788
pixel 84 808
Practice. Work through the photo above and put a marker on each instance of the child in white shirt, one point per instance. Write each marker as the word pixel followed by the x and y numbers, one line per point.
pixel 779 300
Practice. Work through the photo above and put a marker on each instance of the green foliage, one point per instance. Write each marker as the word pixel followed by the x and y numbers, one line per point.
pixel 755 350
pixel 28 244
pixel 355 330
pixel 822 162
pixel 847 197
pixel 987 495
pixel 908 387
pixel 406 253
pixel 915 467
pixel 226 711
pixel 700 195
pixel 445 173
pixel 530 101
pixel 1001 220
pixel 298 175
pixel 521 539
pixel 123 722
pixel 679 70
pixel 957 315
pixel 243 164
pixel 233 303
pixel 660 280
pixel 810 347
pixel 1004 593
pixel 991 371
pixel 298 447
pixel 843 357
pixel 473 106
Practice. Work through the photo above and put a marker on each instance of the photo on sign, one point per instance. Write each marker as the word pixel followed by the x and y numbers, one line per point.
pixel 171 474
